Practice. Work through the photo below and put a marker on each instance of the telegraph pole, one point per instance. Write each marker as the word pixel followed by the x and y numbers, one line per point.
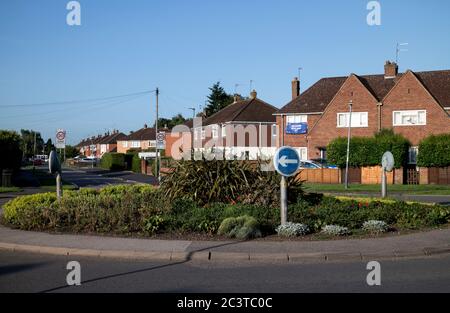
pixel 156 135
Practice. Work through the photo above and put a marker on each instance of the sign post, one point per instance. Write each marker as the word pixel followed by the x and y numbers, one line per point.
pixel 54 167
pixel 387 165
pixel 60 142
pixel 286 162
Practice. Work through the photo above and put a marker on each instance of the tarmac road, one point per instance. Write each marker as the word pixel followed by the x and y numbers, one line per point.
pixel 27 272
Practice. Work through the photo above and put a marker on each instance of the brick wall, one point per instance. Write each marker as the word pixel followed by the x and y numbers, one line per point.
pixel 409 94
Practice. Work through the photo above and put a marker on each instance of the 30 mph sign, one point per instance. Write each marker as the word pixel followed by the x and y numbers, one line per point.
pixel 60 142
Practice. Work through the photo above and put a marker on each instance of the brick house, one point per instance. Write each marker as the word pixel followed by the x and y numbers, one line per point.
pixel 96 146
pixel 414 104
pixel 141 139
pixel 245 129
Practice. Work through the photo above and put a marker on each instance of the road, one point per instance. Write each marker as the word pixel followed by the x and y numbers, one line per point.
pixel 21 272
pixel 97 178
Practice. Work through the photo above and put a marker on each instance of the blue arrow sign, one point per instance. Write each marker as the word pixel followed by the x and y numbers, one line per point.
pixel 286 161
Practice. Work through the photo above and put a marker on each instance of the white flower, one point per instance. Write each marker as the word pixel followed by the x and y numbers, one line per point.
pixel 292 230
pixel 335 230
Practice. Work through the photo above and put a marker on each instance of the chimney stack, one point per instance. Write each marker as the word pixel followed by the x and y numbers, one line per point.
pixel 253 94
pixel 390 70
pixel 145 126
pixel 237 98
pixel 295 88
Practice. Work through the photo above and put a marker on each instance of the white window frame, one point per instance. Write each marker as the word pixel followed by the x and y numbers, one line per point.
pixel 203 134
pixel 224 130
pixel 135 144
pixel 215 131
pixel 354 119
pixel 274 130
pixel 409 112
pixel 152 143
pixel 300 118
pixel 125 144
pixel 299 150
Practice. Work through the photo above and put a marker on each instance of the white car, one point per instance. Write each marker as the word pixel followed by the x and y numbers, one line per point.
pixel 309 165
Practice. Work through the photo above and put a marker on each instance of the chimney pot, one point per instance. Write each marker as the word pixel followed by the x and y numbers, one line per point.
pixel 390 70
pixel 145 125
pixel 253 94
pixel 295 88
pixel 237 98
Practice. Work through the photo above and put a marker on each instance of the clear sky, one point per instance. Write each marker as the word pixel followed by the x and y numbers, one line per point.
pixel 184 46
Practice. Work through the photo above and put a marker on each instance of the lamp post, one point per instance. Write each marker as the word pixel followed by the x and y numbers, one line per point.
pixel 350 104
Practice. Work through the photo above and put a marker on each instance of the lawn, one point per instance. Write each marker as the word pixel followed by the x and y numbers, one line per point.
pixel 358 188
pixel 9 189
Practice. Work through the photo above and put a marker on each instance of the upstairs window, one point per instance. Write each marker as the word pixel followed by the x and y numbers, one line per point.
pixel 359 119
pixel 297 119
pixel 409 118
pixel 215 131
pixel 274 130
pixel 135 144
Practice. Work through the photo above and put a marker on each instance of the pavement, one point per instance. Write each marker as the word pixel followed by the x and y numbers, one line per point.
pixel 426 244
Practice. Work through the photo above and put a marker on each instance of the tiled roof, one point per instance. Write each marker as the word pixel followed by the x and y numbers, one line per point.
pixel 112 138
pixel 142 134
pixel 318 96
pixel 249 110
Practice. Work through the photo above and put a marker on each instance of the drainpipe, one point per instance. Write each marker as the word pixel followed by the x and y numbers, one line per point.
pixel 379 104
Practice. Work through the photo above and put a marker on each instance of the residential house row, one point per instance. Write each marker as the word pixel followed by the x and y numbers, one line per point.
pixel 414 104
pixel 96 146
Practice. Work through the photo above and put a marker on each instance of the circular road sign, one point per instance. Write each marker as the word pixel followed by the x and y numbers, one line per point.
pixel 286 161
pixel 161 136
pixel 60 135
pixel 387 161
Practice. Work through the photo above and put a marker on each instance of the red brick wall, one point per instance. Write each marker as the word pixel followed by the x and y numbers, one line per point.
pixel 409 94
pixel 326 129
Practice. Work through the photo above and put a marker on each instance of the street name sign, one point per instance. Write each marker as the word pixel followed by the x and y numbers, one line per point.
pixel 286 161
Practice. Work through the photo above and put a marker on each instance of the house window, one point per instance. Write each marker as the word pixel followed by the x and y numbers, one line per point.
pixel 359 119
pixel 215 131
pixel 297 119
pixel 303 153
pixel 125 144
pixel 203 134
pixel 409 118
pixel 224 131
pixel 135 144
pixel 412 155
pixel 152 143
pixel 274 130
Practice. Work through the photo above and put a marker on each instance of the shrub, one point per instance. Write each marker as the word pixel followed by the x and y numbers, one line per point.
pixel 27 212
pixel 434 151
pixel 292 230
pixel 113 161
pixel 375 227
pixel 367 151
pixel 225 181
pixel 335 230
pixel 243 227
pixel 133 162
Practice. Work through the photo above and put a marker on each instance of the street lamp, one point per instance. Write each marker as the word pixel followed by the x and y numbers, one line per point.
pixel 350 104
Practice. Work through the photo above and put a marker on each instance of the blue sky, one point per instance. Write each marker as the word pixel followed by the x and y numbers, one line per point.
pixel 184 46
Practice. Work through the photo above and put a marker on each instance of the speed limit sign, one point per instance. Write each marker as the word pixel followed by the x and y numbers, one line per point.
pixel 60 139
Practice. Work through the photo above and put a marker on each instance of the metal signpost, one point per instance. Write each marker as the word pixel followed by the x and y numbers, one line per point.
pixel 54 167
pixel 286 162
pixel 60 142
pixel 387 165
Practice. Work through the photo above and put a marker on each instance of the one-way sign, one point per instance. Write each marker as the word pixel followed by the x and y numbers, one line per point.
pixel 286 161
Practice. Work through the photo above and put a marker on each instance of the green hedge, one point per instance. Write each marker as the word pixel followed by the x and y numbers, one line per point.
pixel 367 151
pixel 113 161
pixel 434 151
pixel 133 162
pixel 143 209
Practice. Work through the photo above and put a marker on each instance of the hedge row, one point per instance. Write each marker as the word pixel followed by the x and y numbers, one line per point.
pixel 367 151
pixel 434 151
pixel 119 161
pixel 141 209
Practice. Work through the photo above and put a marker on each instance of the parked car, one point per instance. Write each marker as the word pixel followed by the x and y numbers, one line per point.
pixel 324 163
pixel 309 165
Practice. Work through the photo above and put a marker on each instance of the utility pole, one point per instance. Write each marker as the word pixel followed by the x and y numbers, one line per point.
pixel 156 137
pixel 34 147
pixel 348 143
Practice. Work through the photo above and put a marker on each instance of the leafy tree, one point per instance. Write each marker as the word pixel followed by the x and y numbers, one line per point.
pixel 48 146
pixel 71 151
pixel 217 100
pixel 172 122
pixel 28 142
pixel 10 147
